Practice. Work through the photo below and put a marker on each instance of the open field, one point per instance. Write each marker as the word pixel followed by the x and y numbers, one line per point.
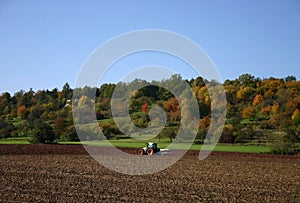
pixel 131 143
pixel 15 140
pixel 164 144
pixel 65 173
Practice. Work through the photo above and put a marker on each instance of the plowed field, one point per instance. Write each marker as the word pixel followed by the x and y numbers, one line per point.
pixel 55 173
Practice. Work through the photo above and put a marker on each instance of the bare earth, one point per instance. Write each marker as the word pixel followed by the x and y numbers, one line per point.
pixel 55 173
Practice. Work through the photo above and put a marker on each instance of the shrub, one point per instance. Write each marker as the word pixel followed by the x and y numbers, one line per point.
pixel 200 137
pixel 168 132
pixel 110 130
pixel 244 135
pixel 43 133
pixel 140 119
pixel 284 150
pixel 291 137
pixel 6 129
pixel 227 136
pixel 70 135
pixel 266 125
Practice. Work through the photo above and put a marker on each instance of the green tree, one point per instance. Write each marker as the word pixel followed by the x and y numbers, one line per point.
pixel 43 133
pixel 227 134
pixel 41 97
pixel 246 79
pixel 201 135
pixel 198 82
pixel 5 99
pixel 290 78
pixel 6 129
pixel 106 90
pixel 35 114
pixel 72 134
pixel 291 137
pixel 244 134
pixel 66 91
pixel 168 132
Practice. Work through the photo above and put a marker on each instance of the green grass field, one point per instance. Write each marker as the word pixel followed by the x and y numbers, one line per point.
pixel 15 140
pixel 132 143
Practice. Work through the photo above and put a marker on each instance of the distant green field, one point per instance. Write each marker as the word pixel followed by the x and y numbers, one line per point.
pixel 132 143
pixel 241 148
pixel 164 144
pixel 15 140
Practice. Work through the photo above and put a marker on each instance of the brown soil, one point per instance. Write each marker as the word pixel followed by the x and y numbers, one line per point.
pixel 66 173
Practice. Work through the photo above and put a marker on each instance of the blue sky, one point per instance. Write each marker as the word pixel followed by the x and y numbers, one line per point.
pixel 43 44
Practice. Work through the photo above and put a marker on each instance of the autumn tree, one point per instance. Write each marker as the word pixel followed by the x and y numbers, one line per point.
pixel 173 109
pixel 296 117
pixel 245 93
pixel 266 111
pixel 249 112
pixel 258 99
pixel 22 111
pixel 60 126
pixel 204 123
pixel 274 104
pixel 145 108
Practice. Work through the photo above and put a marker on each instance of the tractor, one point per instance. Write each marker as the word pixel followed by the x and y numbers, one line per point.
pixel 149 149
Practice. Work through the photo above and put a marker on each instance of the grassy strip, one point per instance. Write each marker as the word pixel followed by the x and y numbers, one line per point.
pixel 139 144
pixel 131 143
pixel 15 141
pixel 241 148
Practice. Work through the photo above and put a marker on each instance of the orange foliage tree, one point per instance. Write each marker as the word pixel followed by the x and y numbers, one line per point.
pixel 22 111
pixel 249 112
pixel 258 99
pixel 145 107
pixel 173 109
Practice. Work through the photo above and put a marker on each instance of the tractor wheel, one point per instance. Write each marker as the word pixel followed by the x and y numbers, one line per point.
pixel 140 152
pixel 150 151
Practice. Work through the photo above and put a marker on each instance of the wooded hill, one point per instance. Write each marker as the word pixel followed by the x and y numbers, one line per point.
pixel 259 111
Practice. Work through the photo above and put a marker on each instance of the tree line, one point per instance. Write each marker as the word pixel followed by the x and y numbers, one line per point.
pixel 255 107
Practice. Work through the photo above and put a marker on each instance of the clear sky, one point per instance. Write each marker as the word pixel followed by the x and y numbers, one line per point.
pixel 43 44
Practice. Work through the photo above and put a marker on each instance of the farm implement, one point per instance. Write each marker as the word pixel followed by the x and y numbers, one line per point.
pixel 151 148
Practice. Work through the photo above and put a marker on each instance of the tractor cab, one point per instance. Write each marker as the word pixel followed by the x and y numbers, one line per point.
pixel 151 145
pixel 150 148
